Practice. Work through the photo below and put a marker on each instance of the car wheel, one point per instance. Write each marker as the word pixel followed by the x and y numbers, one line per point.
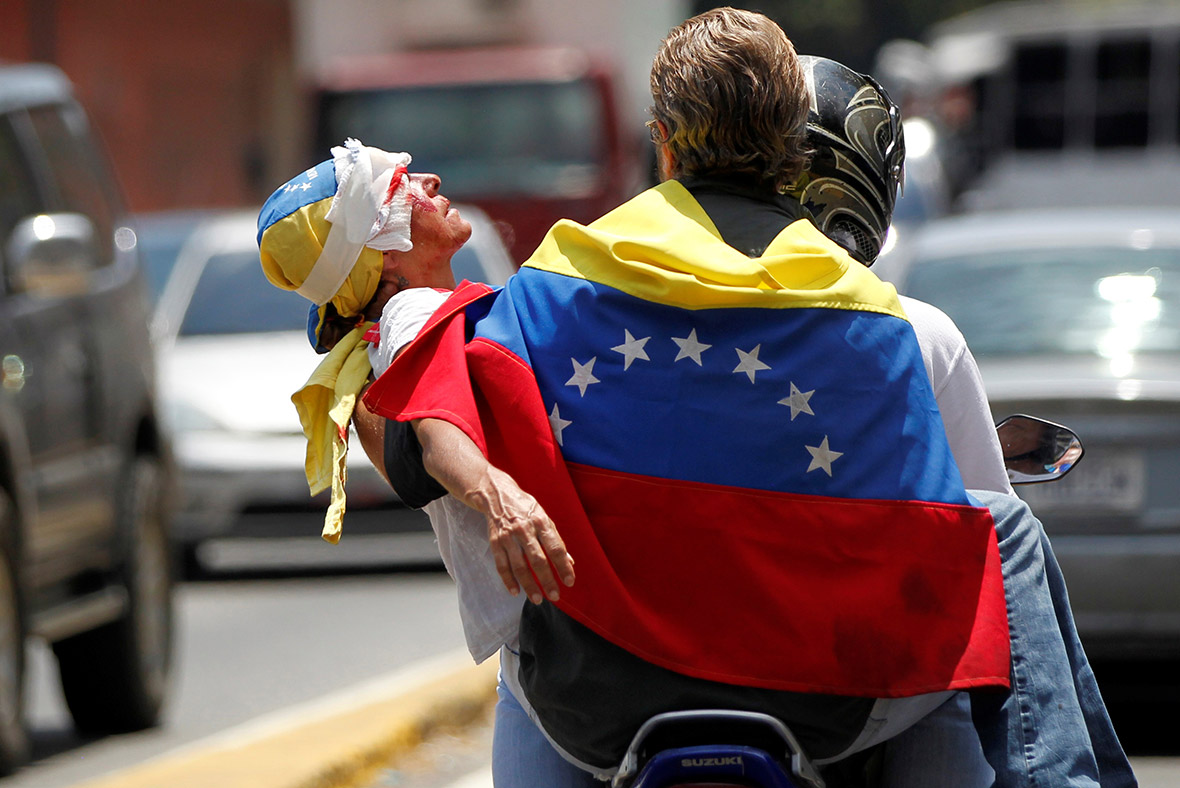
pixel 115 678
pixel 14 742
pixel 191 567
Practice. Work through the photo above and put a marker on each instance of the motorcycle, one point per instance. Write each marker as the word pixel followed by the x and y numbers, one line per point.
pixel 720 748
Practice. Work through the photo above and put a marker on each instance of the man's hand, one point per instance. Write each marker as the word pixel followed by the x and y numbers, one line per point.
pixel 525 543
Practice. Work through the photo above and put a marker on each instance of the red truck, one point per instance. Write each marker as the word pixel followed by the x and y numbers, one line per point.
pixel 530 134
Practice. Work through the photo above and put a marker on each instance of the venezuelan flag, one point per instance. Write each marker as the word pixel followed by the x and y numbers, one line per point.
pixel 739 451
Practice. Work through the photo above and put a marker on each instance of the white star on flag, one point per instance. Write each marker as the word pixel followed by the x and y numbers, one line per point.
pixel 690 347
pixel 583 375
pixel 631 349
pixel 557 423
pixel 822 457
pixel 749 362
pixel 797 402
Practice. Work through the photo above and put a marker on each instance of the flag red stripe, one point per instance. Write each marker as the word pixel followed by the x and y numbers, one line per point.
pixel 839 596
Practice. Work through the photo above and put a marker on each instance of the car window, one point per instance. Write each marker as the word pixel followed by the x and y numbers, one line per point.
pixel 1104 301
pixel 18 188
pixel 234 297
pixel 161 238
pixel 158 253
pixel 81 180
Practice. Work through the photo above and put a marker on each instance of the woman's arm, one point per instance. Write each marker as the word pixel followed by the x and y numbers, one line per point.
pixel 370 429
pixel 521 535
pixel 525 543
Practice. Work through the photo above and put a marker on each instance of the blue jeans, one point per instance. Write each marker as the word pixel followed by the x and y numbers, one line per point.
pixel 1114 771
pixel 938 750
pixel 521 755
pixel 1052 729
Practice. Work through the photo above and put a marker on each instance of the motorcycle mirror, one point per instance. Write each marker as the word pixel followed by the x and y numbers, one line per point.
pixel 1036 450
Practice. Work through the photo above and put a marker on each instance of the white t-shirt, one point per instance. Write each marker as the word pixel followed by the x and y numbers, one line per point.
pixel 489 614
pixel 959 393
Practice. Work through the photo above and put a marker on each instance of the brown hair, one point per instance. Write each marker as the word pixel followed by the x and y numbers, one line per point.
pixel 730 91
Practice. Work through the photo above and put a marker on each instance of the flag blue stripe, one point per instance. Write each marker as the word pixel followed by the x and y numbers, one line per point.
pixel 860 374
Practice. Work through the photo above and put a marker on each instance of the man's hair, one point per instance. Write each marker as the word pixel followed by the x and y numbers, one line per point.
pixel 729 89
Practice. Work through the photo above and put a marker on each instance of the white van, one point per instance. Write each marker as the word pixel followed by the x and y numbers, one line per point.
pixel 1059 104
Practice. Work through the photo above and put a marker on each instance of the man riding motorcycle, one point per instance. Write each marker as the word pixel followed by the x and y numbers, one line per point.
pixel 749 217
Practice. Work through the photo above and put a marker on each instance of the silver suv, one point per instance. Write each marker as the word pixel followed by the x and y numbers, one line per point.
pixel 85 559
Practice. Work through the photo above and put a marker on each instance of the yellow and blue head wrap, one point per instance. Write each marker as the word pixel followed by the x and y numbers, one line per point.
pixel 321 234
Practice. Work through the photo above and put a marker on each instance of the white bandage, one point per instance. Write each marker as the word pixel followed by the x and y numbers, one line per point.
pixel 364 212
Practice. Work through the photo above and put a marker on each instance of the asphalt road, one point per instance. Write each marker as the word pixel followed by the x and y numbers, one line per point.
pixel 253 643
pixel 250 644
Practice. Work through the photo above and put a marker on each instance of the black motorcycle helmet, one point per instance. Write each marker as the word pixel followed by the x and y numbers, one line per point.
pixel 851 183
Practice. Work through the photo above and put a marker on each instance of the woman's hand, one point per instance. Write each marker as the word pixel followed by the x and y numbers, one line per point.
pixel 525 543
pixel 386 289
pixel 334 329
pixel 522 537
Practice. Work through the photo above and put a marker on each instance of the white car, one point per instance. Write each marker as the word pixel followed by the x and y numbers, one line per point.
pixel 1074 316
pixel 232 349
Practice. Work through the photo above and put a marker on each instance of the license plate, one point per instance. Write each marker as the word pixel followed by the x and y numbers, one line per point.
pixel 1106 480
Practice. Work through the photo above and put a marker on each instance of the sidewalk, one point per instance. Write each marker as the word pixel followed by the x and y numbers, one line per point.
pixel 341 742
pixel 450 758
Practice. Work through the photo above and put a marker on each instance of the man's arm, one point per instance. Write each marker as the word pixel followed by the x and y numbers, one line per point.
pixel 525 543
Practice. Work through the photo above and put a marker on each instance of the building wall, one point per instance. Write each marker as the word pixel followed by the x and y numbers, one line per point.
pixel 203 104
pixel 197 102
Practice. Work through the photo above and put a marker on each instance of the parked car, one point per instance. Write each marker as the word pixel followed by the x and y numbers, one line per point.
pixel 232 349
pixel 84 464
pixel 1074 316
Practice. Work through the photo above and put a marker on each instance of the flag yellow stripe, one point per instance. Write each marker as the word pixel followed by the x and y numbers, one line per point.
pixel 661 246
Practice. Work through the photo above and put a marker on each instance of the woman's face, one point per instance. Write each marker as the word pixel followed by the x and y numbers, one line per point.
pixel 436 231
pixel 434 224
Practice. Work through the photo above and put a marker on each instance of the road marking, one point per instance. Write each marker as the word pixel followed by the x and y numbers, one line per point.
pixel 325 742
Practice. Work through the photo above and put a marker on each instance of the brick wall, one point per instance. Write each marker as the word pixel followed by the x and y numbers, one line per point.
pixel 197 102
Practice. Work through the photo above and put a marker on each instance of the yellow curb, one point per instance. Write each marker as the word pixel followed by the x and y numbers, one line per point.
pixel 332 750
